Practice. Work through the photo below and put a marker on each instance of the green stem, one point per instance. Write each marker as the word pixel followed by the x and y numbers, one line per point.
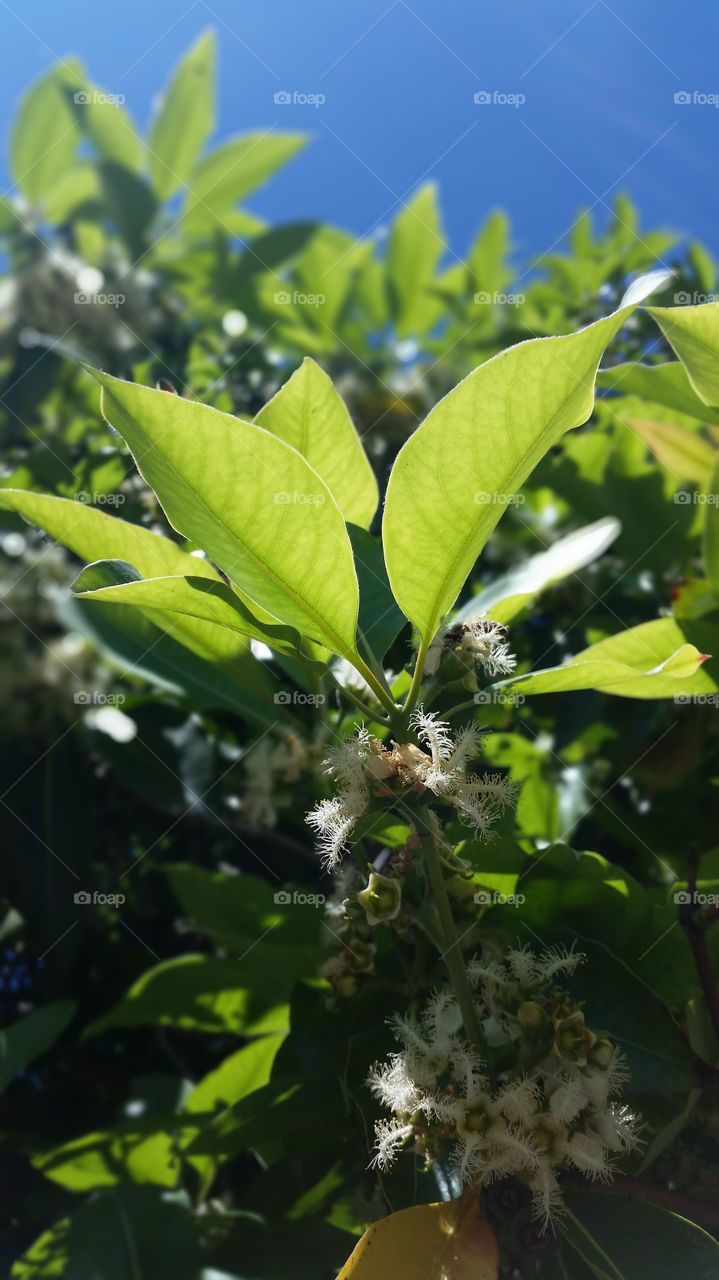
pixel 452 954
pixel 461 706
pixel 368 675
pixel 417 675
pixel 375 663
pixel 371 714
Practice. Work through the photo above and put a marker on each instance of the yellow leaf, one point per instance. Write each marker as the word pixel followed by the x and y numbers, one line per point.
pixel 684 453
pixel 449 1241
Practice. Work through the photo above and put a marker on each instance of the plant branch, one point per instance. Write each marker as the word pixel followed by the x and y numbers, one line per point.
pixel 452 954
pixel 695 930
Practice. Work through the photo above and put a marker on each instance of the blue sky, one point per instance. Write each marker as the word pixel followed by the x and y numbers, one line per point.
pixel 399 78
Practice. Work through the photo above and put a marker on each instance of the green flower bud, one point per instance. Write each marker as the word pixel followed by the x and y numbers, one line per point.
pixel 382 899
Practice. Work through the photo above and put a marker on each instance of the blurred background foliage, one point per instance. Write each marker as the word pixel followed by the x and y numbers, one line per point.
pixel 132 765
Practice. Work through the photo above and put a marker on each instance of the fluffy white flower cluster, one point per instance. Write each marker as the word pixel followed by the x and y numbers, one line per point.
pixel 528 1124
pixel 363 765
pixel 484 639
pixel 267 764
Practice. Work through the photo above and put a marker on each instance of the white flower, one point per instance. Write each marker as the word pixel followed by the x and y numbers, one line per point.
pixel 487 641
pixel 390 1138
pixel 434 733
pixel 333 821
pixel 481 801
pixel 531 1126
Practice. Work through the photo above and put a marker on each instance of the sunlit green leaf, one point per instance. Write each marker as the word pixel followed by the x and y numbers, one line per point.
pixel 44 135
pixel 652 660
pixel 693 332
pixel 232 171
pixel 416 244
pixel 206 615
pixel 309 414
pixel 185 118
pixel 251 501
pixel 453 479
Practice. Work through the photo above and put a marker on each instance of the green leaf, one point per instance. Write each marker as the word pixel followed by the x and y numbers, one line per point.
pixel 416 244
pixel 711 531
pixel 453 478
pixel 666 384
pixel 638 1239
pixel 136 1150
pixel 380 620
pixel 185 118
pixel 132 641
pixel 233 910
pixel 510 592
pixel 30 1036
pixel 251 501
pixel 245 995
pixel 231 172
pixel 44 135
pixel 46 1258
pixel 129 1233
pixel 130 201
pixel 94 535
pixel 236 1077
pixel 79 185
pixel 128 634
pixel 102 119
pixel 309 414
pixel 207 616
pixel 487 259
pixel 693 332
pixel 285 1109
pixel 652 660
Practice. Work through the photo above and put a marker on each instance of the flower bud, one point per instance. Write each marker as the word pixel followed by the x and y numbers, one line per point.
pixel 574 1040
pixel 531 1017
